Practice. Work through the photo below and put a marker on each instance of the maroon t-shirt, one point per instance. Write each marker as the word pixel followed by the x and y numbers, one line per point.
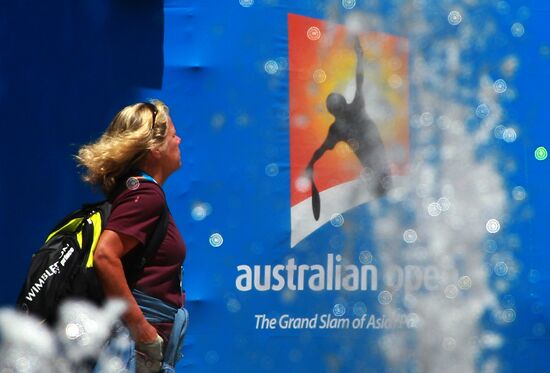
pixel 135 213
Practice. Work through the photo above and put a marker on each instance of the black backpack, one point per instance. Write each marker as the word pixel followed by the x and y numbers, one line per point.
pixel 63 267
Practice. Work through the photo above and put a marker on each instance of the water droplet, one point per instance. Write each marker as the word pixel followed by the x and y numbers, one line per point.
pixel 271 67
pixel 498 132
pixel 73 331
pixel 500 86
pixel 444 203
pixel 482 111
pixel 534 276
pixel 509 135
pixel 509 65
pixel 368 175
pixel 217 120
pixel 395 81
pixel 503 7
pixel 353 145
pixel 246 3
pixel 454 17
pixel 541 153
pixel 115 364
pixel 233 305
pixel 365 257
pixel 464 283
pixel 491 340
pixel 537 307
pixel 272 169
pixel 517 30
pixel 282 62
pixel 539 330
pixel 451 291
pixel 426 119
pixel 216 240
pixel 501 269
pixel 508 315
pixel 22 364
pixel 302 184
pixel 434 209
pixel 243 120
pixel 449 343
pixel 490 246
pixel 413 320
pixel 359 309
pixel 313 33
pixel 301 120
pixel 502 285
pixel 508 301
pixel 348 4
pixel 132 183
pixel 519 193
pixel 319 76
pixel 385 297
pixel 211 357
pixel 395 63
pixel 200 211
pixel 410 236
pixel 339 310
pixel 492 226
pixel 524 13
pixel 337 220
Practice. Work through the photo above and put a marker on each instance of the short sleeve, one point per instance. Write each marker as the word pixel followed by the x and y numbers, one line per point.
pixel 135 212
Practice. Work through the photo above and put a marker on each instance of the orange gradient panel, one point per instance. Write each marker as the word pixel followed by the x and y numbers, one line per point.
pixel 322 60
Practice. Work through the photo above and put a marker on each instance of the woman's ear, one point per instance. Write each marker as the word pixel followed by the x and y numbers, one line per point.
pixel 155 153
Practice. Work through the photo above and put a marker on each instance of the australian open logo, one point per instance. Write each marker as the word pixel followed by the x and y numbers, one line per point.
pixel 348 141
pixel 348 120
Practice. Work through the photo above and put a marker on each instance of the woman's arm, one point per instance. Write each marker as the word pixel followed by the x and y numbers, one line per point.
pixel 108 255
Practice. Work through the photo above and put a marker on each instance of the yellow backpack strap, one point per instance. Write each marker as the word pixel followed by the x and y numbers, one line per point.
pixel 96 222
pixel 70 226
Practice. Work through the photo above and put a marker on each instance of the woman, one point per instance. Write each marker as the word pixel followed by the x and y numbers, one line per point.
pixel 130 162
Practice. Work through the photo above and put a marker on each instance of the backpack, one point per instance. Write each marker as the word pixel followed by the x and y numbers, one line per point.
pixel 63 267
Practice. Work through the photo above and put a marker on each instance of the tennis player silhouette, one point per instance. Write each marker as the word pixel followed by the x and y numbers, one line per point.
pixel 353 126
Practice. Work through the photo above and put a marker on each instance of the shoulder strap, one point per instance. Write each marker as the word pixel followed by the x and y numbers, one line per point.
pixel 156 238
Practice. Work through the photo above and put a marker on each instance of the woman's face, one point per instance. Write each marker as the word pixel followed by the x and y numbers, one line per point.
pixel 171 151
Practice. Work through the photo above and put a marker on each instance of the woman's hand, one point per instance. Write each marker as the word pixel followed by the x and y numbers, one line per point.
pixel 149 356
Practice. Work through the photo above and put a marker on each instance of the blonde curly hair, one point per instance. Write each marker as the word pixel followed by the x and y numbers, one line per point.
pixel 122 148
